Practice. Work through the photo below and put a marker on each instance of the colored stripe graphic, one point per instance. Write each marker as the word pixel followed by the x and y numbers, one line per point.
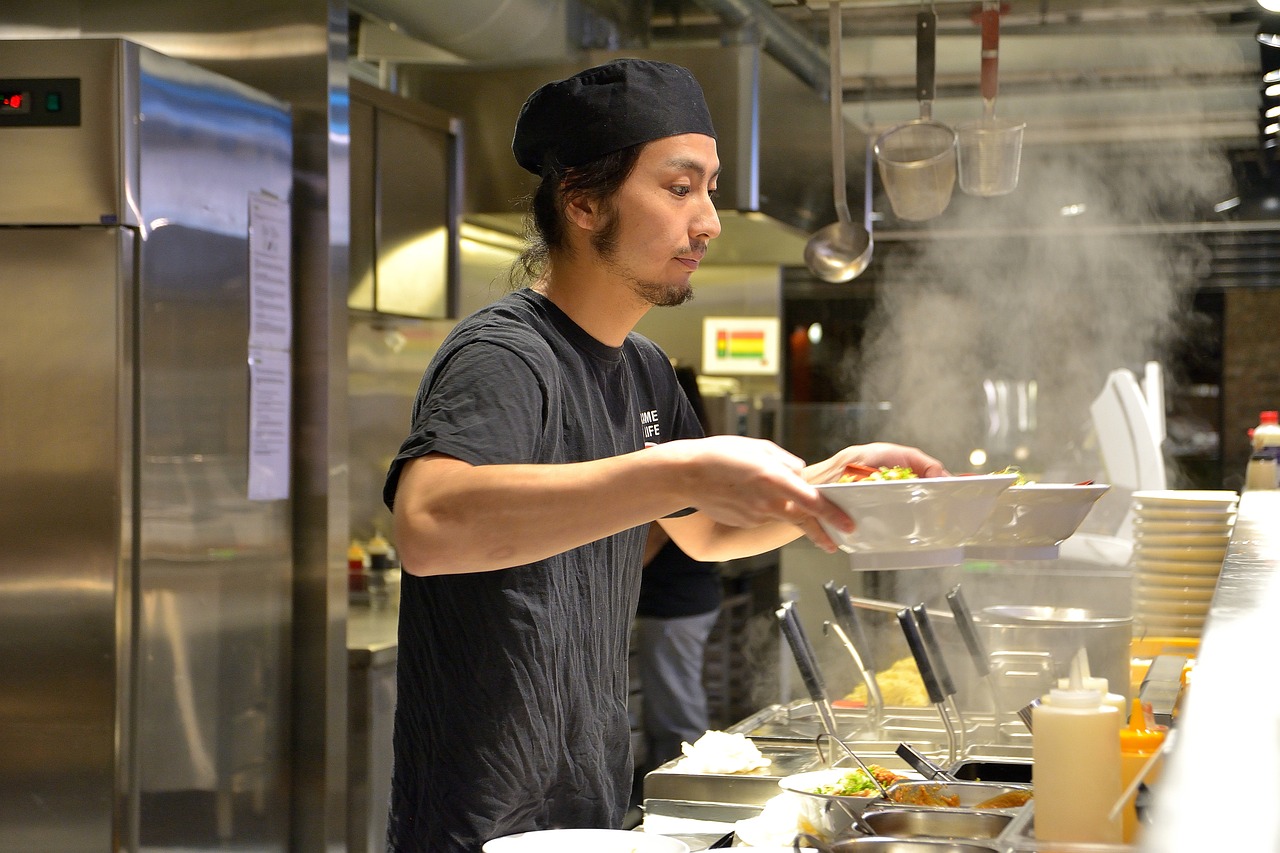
pixel 743 344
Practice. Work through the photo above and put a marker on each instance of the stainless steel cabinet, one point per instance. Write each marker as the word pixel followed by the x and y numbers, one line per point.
pixel 405 183
pixel 371 697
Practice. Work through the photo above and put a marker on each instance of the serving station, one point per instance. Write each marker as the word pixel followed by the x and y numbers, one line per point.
pixel 1190 689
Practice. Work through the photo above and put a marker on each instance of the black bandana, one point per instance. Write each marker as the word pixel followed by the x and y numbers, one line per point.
pixel 605 109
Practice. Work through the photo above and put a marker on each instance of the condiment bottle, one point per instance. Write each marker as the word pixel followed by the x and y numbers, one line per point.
pixel 1264 465
pixel 357 564
pixel 1139 741
pixel 1075 749
pixel 1098 683
pixel 379 551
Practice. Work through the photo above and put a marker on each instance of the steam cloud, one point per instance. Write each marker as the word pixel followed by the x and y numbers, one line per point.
pixel 1058 300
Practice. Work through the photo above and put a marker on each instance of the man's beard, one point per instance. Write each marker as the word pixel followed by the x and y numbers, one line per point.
pixel 656 293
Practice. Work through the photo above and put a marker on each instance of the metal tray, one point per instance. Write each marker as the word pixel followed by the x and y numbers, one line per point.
pixel 669 782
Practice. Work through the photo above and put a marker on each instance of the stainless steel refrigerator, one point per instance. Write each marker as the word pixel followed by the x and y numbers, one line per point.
pixel 144 590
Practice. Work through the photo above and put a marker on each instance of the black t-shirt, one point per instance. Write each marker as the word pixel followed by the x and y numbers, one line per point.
pixel 512 685
pixel 675 584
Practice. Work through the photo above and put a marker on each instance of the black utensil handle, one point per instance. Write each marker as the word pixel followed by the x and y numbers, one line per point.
pixel 969 632
pixel 926 48
pixel 852 624
pixel 722 842
pixel 935 650
pixel 916 644
pixel 833 599
pixel 803 654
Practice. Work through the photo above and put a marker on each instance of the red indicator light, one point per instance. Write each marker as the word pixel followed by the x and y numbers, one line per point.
pixel 15 102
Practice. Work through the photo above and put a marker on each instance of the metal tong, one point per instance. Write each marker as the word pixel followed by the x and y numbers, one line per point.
pixel 944 674
pixel 977 649
pixel 848 628
pixel 909 618
pixel 923 765
pixel 807 663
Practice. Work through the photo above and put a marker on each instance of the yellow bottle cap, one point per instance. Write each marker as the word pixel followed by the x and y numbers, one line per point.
pixel 1137 737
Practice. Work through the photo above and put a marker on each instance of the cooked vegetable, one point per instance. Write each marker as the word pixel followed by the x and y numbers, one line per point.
pixel 856 473
pixel 1007 800
pixel 1014 469
pixel 900 684
pixel 925 795
pixel 855 783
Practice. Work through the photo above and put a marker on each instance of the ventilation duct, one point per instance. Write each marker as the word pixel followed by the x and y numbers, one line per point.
pixel 775 185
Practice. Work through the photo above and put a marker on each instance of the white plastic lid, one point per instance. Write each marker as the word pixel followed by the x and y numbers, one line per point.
pixel 1075 698
pixel 1091 682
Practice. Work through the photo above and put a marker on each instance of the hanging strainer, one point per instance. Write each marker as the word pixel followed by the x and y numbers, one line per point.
pixel 917 159
pixel 990 148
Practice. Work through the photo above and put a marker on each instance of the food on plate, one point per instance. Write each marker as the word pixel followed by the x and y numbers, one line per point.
pixel 924 795
pixel 900 684
pixel 856 783
pixel 722 752
pixel 1007 800
pixel 855 473
pixel 1015 470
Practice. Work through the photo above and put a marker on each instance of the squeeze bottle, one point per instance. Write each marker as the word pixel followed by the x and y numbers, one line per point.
pixel 1138 742
pixel 1075 769
pixel 1098 683
pixel 1264 465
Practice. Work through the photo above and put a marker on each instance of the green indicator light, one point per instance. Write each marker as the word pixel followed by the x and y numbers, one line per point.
pixel 53 102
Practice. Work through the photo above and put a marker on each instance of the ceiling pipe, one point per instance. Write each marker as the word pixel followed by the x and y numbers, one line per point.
pixel 781 39
pixel 480 30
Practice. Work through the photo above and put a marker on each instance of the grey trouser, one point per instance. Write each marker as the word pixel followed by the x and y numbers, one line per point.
pixel 669 656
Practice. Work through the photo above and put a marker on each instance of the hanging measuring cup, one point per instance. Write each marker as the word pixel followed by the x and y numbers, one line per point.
pixel 990 148
pixel 917 159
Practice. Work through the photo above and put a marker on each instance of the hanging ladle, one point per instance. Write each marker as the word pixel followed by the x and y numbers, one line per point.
pixel 839 252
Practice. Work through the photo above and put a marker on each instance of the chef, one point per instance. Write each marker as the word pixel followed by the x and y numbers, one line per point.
pixel 545 436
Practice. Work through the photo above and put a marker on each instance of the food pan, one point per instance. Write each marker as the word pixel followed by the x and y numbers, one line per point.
pixel 877 844
pixel 964 795
pixel 912 822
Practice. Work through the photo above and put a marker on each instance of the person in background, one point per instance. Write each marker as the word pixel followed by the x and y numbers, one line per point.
pixel 679 604
pixel 546 435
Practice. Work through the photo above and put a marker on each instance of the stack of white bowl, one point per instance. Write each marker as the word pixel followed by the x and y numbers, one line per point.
pixel 1180 540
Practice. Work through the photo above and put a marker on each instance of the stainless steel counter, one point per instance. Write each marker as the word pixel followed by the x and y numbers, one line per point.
pixel 1222 784
pixel 371 702
pixel 371 635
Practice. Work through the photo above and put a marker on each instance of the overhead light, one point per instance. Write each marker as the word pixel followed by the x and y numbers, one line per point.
pixel 1272 112
pixel 1224 206
pixel 1270 5
pixel 1077 209
pixel 1272 76
pixel 1271 129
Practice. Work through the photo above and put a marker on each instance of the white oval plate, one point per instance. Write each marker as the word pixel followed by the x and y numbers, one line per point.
pixel 1206 556
pixel 1145 526
pixel 585 841
pixel 1155 607
pixel 1186 498
pixel 1216 516
pixel 1165 624
pixel 1145 563
pixel 1203 581
pixel 1171 632
pixel 914 523
pixel 1182 540
pixel 1168 592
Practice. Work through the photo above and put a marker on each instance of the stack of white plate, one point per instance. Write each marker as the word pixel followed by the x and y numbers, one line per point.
pixel 1180 540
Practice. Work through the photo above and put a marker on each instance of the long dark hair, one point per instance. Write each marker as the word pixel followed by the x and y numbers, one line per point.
pixel 544 227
